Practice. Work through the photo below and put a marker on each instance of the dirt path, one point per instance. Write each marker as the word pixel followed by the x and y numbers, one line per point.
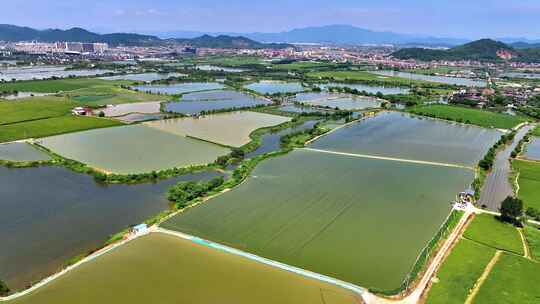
pixel 390 158
pixel 483 277
pixel 527 252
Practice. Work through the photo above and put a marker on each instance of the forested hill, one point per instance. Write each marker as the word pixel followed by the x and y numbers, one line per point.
pixel 230 42
pixel 13 33
pixel 481 50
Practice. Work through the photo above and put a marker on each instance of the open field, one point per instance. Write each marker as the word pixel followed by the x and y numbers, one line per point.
pixel 529 182
pixel 536 131
pixel 34 108
pixel 468 115
pixel 393 134
pixel 167 269
pixel 152 107
pixel 52 126
pixel 459 273
pixel 53 86
pixel 20 152
pixel 323 213
pixel 302 65
pixel 229 129
pixel 532 235
pixel 51 214
pixel 366 76
pixel 513 280
pixel 488 230
pixel 133 149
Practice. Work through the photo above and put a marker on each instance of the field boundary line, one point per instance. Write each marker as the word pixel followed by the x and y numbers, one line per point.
pixel 306 273
pixel 390 158
pixel 483 277
pixel 526 252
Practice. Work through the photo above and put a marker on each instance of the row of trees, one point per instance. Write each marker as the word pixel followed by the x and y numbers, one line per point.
pixel 4 290
pixel 487 162
pixel 184 192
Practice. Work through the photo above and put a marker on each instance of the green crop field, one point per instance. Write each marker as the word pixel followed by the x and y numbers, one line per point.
pixel 529 182
pixel 34 108
pixel 468 115
pixel 300 65
pixel 53 86
pixel 166 269
pixel 323 213
pixel 533 240
pixel 488 230
pixel 52 126
pixel 367 76
pixel 513 280
pixel 459 273
pixel 107 94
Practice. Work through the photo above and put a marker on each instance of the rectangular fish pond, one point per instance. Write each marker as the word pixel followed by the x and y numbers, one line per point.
pixel 180 88
pixel 133 149
pixel 398 135
pixel 364 221
pixel 272 87
pixel 229 129
pixel 51 214
pixel 195 103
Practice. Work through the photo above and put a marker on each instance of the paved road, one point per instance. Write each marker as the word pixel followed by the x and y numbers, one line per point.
pixel 497 186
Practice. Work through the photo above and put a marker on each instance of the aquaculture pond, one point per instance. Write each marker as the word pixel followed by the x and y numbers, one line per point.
pixel 332 214
pixel 292 108
pixel 152 107
pixel 440 79
pixel 20 152
pixel 271 142
pixel 366 88
pixel 133 149
pixel 64 215
pixel 347 103
pixel 230 129
pixel 272 87
pixel 213 277
pixel 180 88
pixel 521 75
pixel 398 135
pixel 207 67
pixel 146 77
pixel 195 103
pixel 44 72
pixel 532 150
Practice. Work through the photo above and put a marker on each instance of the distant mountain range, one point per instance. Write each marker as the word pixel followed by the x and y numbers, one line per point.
pixel 16 33
pixel 480 50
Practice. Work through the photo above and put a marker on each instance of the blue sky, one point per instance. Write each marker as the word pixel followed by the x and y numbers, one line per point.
pixel 456 18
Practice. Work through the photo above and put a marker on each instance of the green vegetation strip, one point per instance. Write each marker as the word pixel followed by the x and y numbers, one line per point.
pixel 371 78
pixel 459 273
pixel 488 230
pixel 513 280
pixel 53 86
pixel 532 234
pixel 52 126
pixel 468 115
pixel 529 182
pixel 167 269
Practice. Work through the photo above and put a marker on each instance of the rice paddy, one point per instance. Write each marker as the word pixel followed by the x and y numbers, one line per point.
pixel 167 269
pixel 229 129
pixel 195 103
pixel 323 212
pixel 393 134
pixel 529 182
pixel 133 149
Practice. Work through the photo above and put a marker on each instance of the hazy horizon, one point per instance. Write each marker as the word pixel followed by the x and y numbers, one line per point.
pixel 457 19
